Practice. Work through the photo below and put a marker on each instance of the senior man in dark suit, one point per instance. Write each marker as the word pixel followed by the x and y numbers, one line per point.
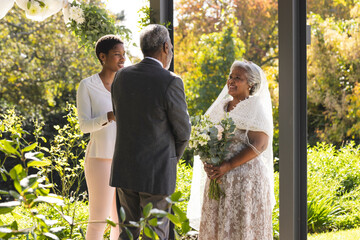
pixel 153 129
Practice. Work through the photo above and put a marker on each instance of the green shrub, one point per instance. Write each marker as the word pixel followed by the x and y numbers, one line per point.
pixel 333 187
pixel 36 213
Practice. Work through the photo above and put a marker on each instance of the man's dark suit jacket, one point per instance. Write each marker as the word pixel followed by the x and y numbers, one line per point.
pixel 153 128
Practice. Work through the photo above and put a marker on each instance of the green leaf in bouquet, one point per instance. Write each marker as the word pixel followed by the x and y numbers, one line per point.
pixel 213 151
pixel 146 210
pixel 213 131
pixel 215 161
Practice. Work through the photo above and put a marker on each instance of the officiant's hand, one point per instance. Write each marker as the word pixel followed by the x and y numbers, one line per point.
pixel 216 172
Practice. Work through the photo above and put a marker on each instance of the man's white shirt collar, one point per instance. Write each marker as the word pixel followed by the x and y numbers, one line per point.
pixel 156 60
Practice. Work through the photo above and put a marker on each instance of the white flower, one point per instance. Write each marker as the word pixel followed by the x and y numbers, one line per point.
pixel 202 143
pixel 76 14
pixel 35 9
pixel 40 9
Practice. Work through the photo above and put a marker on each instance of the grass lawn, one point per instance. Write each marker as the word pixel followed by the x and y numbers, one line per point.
pixel 352 234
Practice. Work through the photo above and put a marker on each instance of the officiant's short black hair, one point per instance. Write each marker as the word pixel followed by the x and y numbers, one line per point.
pixel 106 43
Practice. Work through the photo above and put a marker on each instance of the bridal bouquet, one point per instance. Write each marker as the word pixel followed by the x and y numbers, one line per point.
pixel 211 142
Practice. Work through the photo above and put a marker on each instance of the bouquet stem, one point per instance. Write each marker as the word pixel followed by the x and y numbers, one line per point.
pixel 215 191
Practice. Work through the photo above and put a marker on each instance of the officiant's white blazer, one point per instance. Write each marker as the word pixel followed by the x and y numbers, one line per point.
pixel 93 102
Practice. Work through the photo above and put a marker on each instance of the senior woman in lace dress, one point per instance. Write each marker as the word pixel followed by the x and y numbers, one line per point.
pixel 246 175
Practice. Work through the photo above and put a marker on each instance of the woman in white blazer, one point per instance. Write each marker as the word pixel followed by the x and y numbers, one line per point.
pixel 96 117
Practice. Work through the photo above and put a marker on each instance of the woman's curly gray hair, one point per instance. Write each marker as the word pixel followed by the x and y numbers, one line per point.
pixel 152 38
pixel 252 74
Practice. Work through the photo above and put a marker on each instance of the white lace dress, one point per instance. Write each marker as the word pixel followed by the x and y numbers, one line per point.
pixel 244 213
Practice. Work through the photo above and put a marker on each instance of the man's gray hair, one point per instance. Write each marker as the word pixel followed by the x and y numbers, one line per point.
pixel 152 38
pixel 252 74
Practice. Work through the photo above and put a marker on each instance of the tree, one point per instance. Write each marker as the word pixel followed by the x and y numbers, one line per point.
pixel 41 64
pixel 214 56
pixel 255 23
pixel 333 70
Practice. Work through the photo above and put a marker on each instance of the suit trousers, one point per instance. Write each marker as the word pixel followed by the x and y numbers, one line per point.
pixel 133 203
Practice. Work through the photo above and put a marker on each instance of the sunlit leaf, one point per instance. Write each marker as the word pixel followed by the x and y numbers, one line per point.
pixel 49 199
pixel 42 163
pixel 175 197
pixel 122 214
pixel 150 233
pixel 4 192
pixel 110 222
pixel 179 213
pixel 174 219
pixel 158 213
pixel 51 236
pixel 146 210
pixel 6 207
pixel 30 147
pixel 129 234
pixel 37 156
pixel 7 147
pixel 153 222
pixel 57 229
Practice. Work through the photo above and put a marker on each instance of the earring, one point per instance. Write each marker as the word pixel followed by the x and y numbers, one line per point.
pixel 250 89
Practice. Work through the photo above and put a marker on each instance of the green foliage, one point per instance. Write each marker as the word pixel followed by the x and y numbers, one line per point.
pixel 333 70
pixel 41 64
pixel 214 56
pixel 336 235
pixel 183 182
pixel 333 187
pixel 98 23
pixel 322 210
pixel 145 15
pixel 29 189
pixel 67 155
pixel 32 191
